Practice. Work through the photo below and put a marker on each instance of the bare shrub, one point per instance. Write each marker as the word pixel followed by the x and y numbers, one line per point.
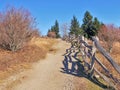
pixel 109 34
pixel 36 33
pixel 51 34
pixel 16 28
pixel 64 30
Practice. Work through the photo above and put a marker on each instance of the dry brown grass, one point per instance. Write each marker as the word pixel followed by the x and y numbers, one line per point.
pixel 115 55
pixel 13 62
pixel 44 43
pixel 85 84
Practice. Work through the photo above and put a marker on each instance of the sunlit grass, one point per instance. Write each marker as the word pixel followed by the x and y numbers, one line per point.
pixel 14 62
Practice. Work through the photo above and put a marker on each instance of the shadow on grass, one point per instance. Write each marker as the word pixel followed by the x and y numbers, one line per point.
pixel 76 68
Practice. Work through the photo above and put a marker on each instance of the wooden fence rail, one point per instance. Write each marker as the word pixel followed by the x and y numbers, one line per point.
pixel 89 51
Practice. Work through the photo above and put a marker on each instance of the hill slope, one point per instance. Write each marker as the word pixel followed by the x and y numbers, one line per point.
pixel 46 74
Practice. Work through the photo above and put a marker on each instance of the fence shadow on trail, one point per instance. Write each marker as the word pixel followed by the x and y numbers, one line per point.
pixel 76 68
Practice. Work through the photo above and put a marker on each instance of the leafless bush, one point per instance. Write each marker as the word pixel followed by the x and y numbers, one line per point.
pixel 36 33
pixel 51 34
pixel 64 30
pixel 17 26
pixel 109 34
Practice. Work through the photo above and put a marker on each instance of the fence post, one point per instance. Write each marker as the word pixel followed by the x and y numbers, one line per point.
pixel 92 58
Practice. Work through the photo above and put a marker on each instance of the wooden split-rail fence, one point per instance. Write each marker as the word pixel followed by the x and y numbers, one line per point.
pixel 89 58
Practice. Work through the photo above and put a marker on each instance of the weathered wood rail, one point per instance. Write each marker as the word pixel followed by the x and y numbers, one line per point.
pixel 89 58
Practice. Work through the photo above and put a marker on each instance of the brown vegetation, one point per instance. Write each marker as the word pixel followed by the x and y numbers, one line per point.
pixel 64 30
pixel 116 56
pixel 17 26
pixel 109 34
pixel 12 62
pixel 51 34
pixel 110 40
pixel 18 33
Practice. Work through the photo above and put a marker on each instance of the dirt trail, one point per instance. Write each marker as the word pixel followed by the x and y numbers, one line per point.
pixel 46 74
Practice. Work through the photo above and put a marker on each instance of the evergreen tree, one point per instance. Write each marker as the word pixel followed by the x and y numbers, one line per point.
pixel 75 27
pixel 90 27
pixel 87 25
pixel 49 30
pixel 96 26
pixel 55 28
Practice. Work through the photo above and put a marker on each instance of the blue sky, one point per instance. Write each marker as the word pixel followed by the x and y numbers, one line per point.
pixel 47 11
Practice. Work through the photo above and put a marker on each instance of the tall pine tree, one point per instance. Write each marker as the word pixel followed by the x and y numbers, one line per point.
pixel 90 27
pixel 57 29
pixel 75 27
pixel 96 26
pixel 87 25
